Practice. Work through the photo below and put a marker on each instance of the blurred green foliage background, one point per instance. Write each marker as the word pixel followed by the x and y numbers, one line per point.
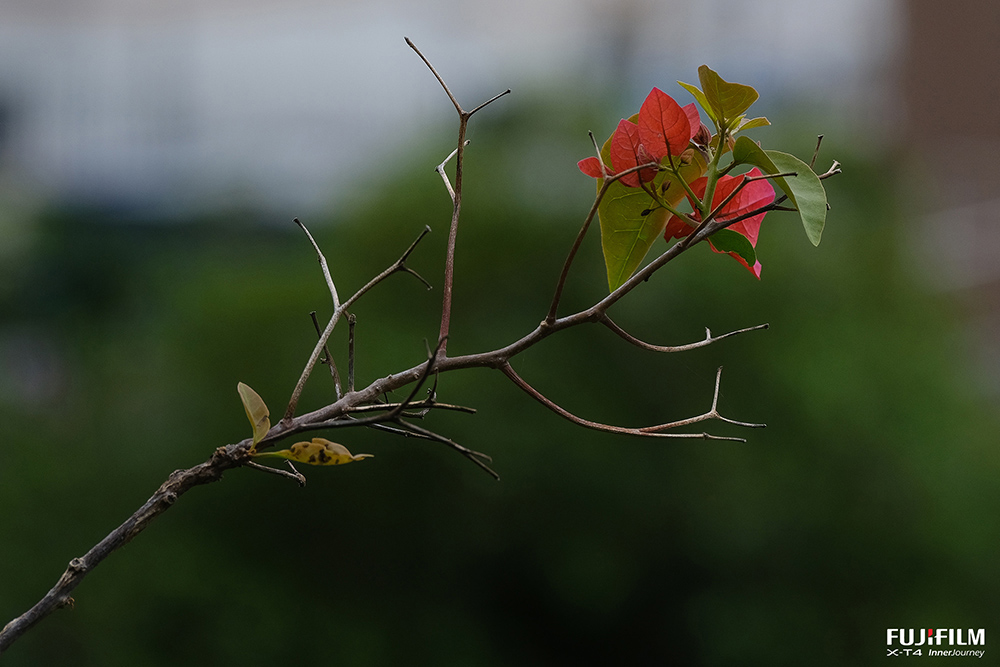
pixel 868 502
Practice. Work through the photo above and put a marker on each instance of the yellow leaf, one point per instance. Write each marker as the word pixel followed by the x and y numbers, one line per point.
pixel 317 452
pixel 256 412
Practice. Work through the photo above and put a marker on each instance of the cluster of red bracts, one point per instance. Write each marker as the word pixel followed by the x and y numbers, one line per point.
pixel 663 131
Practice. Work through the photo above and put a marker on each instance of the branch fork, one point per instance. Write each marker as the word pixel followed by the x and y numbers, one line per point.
pixel 454 192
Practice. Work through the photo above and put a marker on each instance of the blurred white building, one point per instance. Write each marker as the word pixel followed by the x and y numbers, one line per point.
pixel 184 104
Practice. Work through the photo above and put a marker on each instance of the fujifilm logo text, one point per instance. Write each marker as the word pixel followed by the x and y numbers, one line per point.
pixel 931 637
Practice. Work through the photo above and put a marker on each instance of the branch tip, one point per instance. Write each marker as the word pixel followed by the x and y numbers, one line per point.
pixel 819 142
pixel 489 101
pixel 437 76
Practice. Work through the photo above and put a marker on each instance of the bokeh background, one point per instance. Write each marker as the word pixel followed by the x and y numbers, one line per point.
pixel 152 156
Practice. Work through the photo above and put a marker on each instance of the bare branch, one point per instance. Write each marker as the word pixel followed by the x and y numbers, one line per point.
pixel 328 359
pixel 398 265
pixel 416 405
pixel 437 76
pixel 360 407
pixel 708 340
pixel 391 410
pixel 707 223
pixel 597 154
pixel 480 459
pixel 554 307
pixel 704 231
pixel 608 180
pixel 711 414
pixel 649 431
pixel 832 171
pixel 322 263
pixel 432 358
pixel 351 322
pixel 489 101
pixel 296 476
pixel 819 142
pixel 177 484
pixel 456 198
pixel 444 177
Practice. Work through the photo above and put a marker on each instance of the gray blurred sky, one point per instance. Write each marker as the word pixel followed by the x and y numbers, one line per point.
pixel 272 103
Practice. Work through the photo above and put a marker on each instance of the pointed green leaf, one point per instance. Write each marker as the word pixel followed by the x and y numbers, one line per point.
pixel 700 98
pixel 257 412
pixel 726 240
pixel 804 190
pixel 752 123
pixel 316 452
pixel 626 234
pixel 727 100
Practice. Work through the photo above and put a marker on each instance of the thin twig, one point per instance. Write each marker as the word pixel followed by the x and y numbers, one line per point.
pixel 607 181
pixel 432 358
pixel 714 215
pixel 713 413
pixel 456 198
pixel 322 263
pixel 819 142
pixel 437 76
pixel 396 431
pixel 417 405
pixel 832 171
pixel 392 410
pixel 444 176
pixel 328 359
pixel 708 340
pixel 708 230
pixel 697 235
pixel 564 274
pixel 398 265
pixel 479 458
pixel 352 320
pixel 296 476
pixel 489 101
pixel 649 431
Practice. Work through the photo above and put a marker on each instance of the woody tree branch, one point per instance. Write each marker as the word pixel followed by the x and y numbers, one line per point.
pixel 455 193
pixel 366 407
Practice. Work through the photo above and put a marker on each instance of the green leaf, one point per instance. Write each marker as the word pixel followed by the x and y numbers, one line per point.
pixel 752 123
pixel 626 234
pixel 701 99
pixel 726 240
pixel 257 412
pixel 727 100
pixel 746 151
pixel 316 452
pixel 804 190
